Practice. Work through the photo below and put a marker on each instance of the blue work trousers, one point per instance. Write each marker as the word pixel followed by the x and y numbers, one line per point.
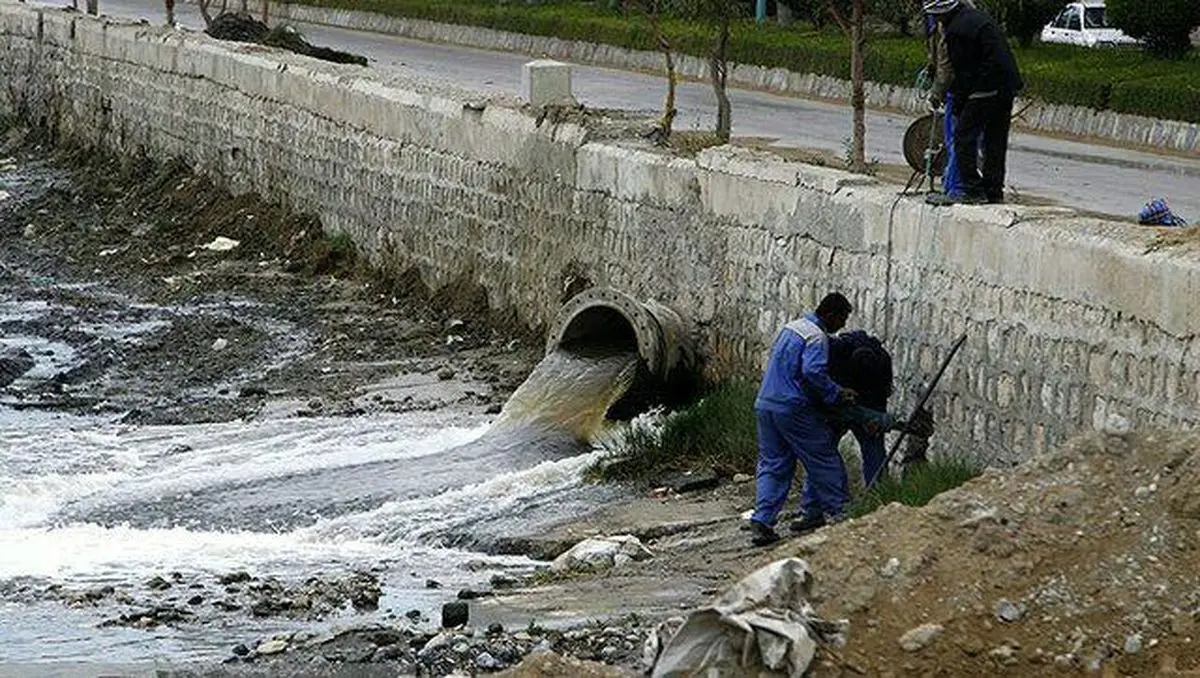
pixel 952 182
pixel 805 436
pixel 872 448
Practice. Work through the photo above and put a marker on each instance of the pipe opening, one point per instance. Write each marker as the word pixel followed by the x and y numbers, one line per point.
pixel 599 327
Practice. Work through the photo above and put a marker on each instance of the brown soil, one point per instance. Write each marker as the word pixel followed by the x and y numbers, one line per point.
pixel 1095 547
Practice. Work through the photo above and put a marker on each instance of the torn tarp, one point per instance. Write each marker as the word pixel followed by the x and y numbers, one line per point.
pixel 763 627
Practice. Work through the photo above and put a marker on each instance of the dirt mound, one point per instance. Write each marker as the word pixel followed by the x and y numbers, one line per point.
pixel 241 27
pixel 1083 559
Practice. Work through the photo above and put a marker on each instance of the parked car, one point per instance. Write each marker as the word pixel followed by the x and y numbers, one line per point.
pixel 1085 24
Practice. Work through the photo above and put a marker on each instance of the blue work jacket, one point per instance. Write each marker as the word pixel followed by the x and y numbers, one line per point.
pixel 797 374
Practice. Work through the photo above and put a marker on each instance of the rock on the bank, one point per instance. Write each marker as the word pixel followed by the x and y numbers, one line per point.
pixel 918 638
pixel 14 362
pixel 601 553
pixel 541 664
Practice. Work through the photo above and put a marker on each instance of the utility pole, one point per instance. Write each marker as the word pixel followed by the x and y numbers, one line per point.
pixel 760 11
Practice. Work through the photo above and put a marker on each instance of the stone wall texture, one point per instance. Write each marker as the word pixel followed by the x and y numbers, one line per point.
pixel 1123 128
pixel 1069 318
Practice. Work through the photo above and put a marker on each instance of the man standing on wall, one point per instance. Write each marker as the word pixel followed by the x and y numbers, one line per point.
pixel 984 83
pixel 942 74
pixel 796 390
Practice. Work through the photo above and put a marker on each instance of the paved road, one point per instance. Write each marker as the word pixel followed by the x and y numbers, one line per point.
pixel 1093 177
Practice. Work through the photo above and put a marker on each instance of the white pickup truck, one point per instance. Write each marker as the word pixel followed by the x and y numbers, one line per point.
pixel 1085 24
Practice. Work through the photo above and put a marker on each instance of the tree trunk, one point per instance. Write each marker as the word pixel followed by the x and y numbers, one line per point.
pixel 718 68
pixel 204 11
pixel 266 13
pixel 170 12
pixel 784 15
pixel 665 125
pixel 858 153
pixel 93 7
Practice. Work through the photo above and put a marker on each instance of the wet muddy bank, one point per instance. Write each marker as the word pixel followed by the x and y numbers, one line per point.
pixel 146 293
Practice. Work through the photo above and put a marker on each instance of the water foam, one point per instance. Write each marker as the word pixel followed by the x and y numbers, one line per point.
pixel 416 520
pixel 86 552
pixel 49 467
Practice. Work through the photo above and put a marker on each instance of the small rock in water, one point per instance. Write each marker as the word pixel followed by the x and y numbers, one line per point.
pixel 471 594
pixel 432 584
pixel 221 244
pixel 241 650
pixel 445 374
pixel 414 615
pixel 494 408
pixel 1006 611
pixel 30 230
pixel 195 600
pixel 487 662
pixel 252 392
pixel 158 584
pixel 14 362
pixel 220 344
pixel 503 581
pixel 274 646
pixel 495 630
pixel 455 614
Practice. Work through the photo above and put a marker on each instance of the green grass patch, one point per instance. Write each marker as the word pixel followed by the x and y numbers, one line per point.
pixel 917 485
pixel 1121 80
pixel 717 432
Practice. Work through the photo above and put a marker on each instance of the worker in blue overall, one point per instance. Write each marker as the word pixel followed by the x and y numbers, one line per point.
pixel 791 408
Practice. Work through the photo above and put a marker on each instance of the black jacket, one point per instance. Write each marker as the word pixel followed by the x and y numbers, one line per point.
pixel 859 361
pixel 979 52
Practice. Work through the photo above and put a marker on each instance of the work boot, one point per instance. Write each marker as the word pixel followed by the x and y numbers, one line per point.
pixel 807 523
pixel 763 535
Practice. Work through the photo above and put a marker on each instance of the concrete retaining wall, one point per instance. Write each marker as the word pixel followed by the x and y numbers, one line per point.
pixel 1057 119
pixel 1068 319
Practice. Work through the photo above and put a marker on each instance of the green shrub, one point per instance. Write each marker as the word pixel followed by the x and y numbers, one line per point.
pixel 1023 20
pixel 719 431
pixel 1165 25
pixel 917 485
pixel 1174 97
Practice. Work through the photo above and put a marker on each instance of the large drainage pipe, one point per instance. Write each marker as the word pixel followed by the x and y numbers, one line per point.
pixel 602 315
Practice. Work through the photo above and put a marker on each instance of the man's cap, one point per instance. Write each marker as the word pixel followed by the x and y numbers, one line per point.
pixel 940 6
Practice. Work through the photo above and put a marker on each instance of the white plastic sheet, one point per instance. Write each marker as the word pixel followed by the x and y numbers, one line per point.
pixel 762 627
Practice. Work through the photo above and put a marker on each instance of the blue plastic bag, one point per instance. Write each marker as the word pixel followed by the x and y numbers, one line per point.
pixel 1157 213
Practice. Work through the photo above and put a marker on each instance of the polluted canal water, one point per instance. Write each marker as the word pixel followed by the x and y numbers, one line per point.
pixel 104 517
pixel 85 504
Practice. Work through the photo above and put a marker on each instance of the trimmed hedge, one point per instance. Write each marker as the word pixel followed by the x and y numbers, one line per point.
pixel 1125 81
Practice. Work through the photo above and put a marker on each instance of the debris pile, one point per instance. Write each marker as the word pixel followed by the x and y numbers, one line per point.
pixel 1081 559
pixel 241 27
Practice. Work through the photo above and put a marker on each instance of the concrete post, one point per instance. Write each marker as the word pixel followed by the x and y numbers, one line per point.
pixel 547 83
